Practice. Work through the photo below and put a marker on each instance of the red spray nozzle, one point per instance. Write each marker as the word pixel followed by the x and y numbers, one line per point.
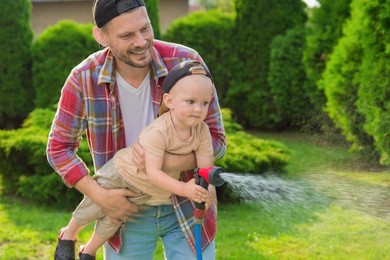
pixel 204 177
pixel 211 175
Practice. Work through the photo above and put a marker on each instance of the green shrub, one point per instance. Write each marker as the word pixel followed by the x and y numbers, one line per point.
pixel 26 172
pixel 24 168
pixel 55 52
pixel 256 24
pixel 323 30
pixel 340 82
pixel 373 94
pixel 209 33
pixel 154 16
pixel 16 92
pixel 286 78
pixel 246 153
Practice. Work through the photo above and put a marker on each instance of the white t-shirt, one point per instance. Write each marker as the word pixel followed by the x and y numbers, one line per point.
pixel 136 107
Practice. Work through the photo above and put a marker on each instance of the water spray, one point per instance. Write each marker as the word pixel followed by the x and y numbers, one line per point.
pixel 204 177
pixel 266 191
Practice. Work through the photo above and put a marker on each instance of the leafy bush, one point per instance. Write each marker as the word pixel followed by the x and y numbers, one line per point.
pixel 285 78
pixel 257 23
pixel 26 172
pixel 323 30
pixel 16 36
pixel 24 168
pixel 341 84
pixel 154 16
pixel 211 34
pixel 247 153
pixel 373 94
pixel 55 52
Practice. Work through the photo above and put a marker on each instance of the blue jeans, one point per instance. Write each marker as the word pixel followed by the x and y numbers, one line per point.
pixel 140 237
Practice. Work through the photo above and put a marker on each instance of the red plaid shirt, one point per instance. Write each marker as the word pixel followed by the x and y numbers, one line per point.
pixel 89 102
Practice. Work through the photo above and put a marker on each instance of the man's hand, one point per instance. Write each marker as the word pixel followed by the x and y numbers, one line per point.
pixel 115 204
pixel 212 196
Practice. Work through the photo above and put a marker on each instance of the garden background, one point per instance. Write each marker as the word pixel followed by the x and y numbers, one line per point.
pixel 305 95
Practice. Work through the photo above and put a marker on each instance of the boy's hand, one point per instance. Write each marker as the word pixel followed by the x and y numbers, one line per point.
pixel 195 192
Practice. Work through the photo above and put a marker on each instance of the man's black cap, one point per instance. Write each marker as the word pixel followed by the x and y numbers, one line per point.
pixel 106 10
pixel 183 69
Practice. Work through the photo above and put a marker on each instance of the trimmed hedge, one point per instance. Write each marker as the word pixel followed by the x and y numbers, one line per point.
pixel 247 153
pixel 154 16
pixel 16 92
pixel 373 94
pixel 323 30
pixel 24 169
pixel 55 52
pixel 341 84
pixel 26 173
pixel 210 33
pixel 285 78
pixel 257 23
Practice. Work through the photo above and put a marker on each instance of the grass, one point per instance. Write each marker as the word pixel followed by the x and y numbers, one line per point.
pixel 346 214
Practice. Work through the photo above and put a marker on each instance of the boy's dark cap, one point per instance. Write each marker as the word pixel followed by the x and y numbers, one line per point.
pixel 106 10
pixel 183 69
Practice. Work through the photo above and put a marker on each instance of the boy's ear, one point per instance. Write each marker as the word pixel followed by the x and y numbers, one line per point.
pixel 164 107
pixel 167 99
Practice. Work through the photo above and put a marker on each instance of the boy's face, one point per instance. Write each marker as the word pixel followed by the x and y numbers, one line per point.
pixel 189 99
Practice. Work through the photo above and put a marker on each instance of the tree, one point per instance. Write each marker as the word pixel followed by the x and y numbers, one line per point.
pixel 55 52
pixel 285 78
pixel 341 83
pixel 16 91
pixel 210 34
pixel 323 30
pixel 257 23
pixel 153 12
pixel 374 77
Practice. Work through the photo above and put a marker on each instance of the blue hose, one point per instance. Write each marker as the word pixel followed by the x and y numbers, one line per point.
pixel 198 242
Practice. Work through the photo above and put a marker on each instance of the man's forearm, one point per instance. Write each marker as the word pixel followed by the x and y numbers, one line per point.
pixel 88 186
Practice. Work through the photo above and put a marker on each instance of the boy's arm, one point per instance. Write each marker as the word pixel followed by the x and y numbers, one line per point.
pixel 171 162
pixel 162 180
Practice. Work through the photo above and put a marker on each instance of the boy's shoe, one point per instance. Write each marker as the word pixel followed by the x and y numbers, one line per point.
pixel 65 248
pixel 85 256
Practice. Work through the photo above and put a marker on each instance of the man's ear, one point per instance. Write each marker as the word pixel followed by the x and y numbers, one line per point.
pixel 99 36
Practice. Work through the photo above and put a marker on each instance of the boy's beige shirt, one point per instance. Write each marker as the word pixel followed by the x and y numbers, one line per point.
pixel 158 138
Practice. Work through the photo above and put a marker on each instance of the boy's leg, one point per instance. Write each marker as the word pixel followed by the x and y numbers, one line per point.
pixel 94 243
pixel 71 231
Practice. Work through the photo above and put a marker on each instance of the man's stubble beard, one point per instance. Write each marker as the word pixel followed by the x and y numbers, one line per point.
pixel 127 59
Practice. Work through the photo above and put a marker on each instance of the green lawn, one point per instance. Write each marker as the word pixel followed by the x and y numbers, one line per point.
pixel 346 214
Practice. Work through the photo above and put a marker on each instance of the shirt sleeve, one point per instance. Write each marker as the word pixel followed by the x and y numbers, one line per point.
pixel 216 127
pixel 66 134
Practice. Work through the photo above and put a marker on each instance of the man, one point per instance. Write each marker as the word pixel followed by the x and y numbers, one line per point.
pixel 113 95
